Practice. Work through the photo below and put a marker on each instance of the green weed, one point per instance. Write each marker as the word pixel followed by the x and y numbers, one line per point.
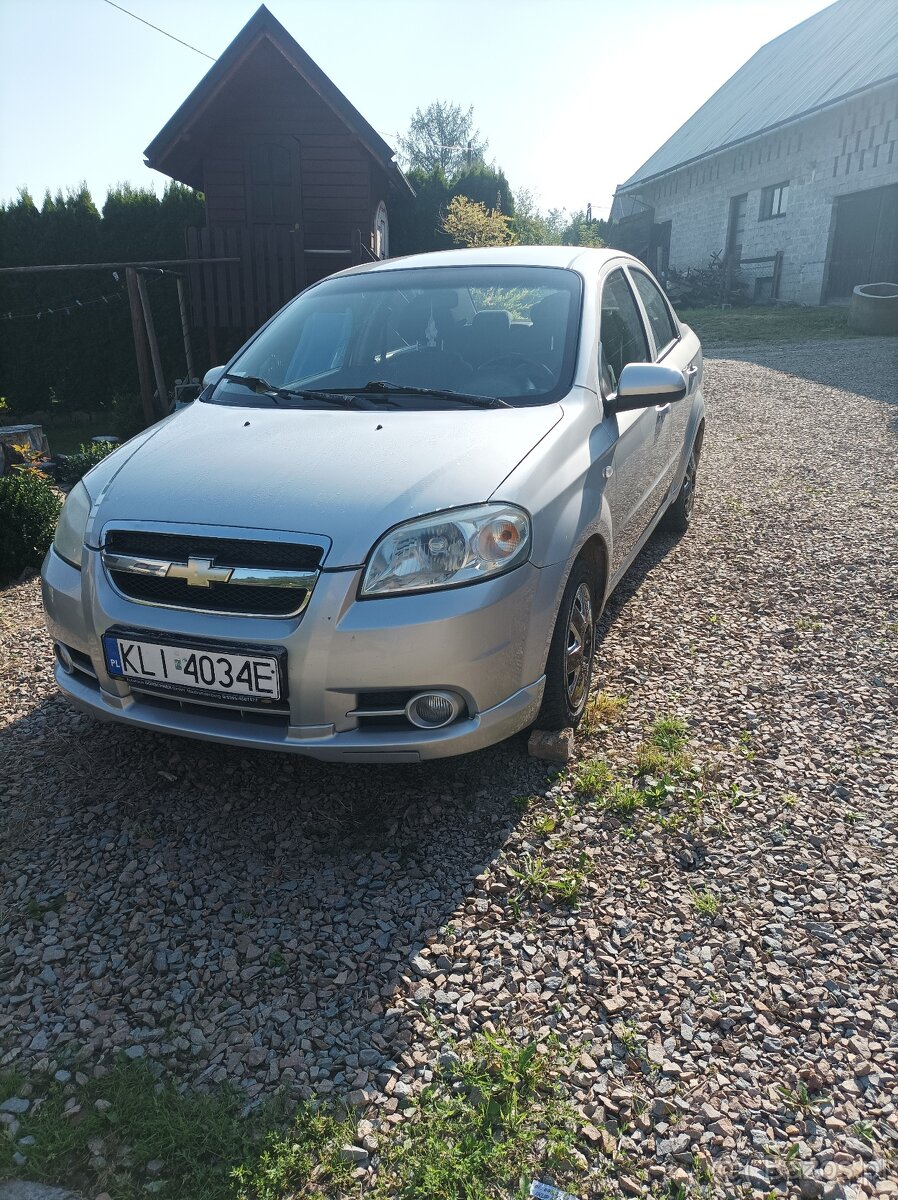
pixel 484 1129
pixel 704 902
pixel 603 709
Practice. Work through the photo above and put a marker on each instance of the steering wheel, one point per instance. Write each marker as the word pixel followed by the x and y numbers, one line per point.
pixel 536 375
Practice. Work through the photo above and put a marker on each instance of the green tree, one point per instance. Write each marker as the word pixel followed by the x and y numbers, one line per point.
pixel 79 353
pixel 471 224
pixel 583 231
pixel 534 228
pixel 442 135
pixel 416 221
pixel 486 185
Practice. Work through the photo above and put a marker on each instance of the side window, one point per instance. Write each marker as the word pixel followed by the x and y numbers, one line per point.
pixel 621 334
pixel 658 313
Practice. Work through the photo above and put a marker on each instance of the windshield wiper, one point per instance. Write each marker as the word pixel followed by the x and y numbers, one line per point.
pixel 263 388
pixel 382 386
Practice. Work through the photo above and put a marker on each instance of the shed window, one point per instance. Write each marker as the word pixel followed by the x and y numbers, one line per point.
pixel 774 201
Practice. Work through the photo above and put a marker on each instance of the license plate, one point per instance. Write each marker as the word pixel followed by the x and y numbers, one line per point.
pixel 194 668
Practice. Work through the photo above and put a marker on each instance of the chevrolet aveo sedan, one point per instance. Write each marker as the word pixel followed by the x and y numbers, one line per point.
pixel 385 531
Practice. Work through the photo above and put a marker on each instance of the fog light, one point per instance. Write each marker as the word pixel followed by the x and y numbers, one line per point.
pixel 64 658
pixel 432 710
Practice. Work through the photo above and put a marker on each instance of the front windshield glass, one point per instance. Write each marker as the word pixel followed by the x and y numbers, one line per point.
pixel 499 331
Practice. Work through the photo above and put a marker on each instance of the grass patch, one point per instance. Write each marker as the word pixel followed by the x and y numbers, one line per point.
pixel 539 881
pixel 662 783
pixel 605 708
pixel 769 324
pixel 704 902
pixel 668 733
pixel 592 778
pixel 663 756
pixel 487 1126
pixel 494 1118
pixel 67 438
pixel 304 1160
pixel 103 1137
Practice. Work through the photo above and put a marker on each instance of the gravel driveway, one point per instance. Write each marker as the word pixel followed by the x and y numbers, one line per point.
pixel 275 921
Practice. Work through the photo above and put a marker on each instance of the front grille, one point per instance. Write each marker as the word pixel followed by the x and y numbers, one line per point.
pixel 262 718
pixel 243 600
pixel 233 552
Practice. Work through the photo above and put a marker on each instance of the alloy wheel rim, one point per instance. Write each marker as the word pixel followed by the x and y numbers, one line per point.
pixel 579 647
pixel 689 486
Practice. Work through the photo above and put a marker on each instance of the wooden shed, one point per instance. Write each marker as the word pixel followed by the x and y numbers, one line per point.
pixel 297 183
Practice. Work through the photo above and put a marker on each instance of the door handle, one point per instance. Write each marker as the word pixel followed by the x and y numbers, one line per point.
pixel 692 369
pixel 661 409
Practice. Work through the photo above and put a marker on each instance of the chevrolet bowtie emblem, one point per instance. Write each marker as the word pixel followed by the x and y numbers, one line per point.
pixel 199 572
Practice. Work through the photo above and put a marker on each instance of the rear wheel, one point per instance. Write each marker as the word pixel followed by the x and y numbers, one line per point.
pixel 569 666
pixel 679 514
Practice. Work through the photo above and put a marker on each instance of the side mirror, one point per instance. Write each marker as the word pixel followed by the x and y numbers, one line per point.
pixel 212 376
pixel 642 385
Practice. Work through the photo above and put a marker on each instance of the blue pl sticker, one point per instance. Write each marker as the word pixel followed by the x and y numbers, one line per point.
pixel 113 659
pixel 548 1191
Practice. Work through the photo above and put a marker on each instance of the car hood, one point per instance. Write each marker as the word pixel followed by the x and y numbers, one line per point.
pixel 344 475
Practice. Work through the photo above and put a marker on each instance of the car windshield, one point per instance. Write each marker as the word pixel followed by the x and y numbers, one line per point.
pixel 502 332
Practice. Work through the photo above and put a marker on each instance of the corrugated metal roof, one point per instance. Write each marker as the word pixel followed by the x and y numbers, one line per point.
pixel 844 49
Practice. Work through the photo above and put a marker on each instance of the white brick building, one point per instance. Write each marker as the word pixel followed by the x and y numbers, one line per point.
pixel 795 154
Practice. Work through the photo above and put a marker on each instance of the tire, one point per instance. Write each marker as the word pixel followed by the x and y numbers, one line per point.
pixel 569 665
pixel 679 512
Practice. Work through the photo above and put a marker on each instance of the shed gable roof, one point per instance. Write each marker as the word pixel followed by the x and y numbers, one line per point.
pixel 845 49
pixel 262 26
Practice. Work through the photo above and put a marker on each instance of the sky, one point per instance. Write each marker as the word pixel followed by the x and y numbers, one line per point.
pixel 573 95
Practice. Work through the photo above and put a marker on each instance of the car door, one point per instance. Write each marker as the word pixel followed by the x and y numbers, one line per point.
pixel 672 349
pixel 635 482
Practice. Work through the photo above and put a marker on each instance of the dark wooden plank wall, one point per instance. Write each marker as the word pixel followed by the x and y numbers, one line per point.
pixel 267 98
pixel 224 184
pixel 340 185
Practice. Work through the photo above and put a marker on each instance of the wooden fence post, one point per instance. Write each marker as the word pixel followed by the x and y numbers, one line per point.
pixel 154 347
pixel 140 347
pixel 185 329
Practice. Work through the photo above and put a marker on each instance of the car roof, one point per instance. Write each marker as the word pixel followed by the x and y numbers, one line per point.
pixel 570 257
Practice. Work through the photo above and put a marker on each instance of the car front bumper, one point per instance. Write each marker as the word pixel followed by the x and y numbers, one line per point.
pixel 487 643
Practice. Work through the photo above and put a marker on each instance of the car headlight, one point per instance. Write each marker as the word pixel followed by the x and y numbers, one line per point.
pixel 68 541
pixel 447 549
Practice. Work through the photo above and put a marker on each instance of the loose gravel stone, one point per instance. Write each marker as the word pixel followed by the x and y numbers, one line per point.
pixel 15 1104
pixel 282 923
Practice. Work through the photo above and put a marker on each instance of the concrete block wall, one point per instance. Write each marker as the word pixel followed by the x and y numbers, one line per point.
pixel 845 149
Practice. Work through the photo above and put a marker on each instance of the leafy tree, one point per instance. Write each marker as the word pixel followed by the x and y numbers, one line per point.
pixel 581 231
pixel 486 185
pixel 416 222
pixel 443 136
pixel 79 353
pixel 534 228
pixel 557 227
pixel 471 224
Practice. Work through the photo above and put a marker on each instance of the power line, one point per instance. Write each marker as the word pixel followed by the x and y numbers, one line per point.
pixel 112 4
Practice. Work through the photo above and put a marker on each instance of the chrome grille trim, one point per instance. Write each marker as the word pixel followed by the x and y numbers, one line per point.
pixel 200 572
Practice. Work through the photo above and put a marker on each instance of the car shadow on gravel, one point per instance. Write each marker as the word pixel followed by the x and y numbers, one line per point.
pixel 189 878
pixel 861 366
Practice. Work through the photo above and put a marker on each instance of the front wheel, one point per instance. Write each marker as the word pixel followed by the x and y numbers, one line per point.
pixel 679 514
pixel 569 666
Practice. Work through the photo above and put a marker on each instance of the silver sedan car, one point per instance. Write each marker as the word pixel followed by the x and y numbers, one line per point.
pixel 386 529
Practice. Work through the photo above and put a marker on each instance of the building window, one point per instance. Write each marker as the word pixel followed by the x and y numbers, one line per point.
pixel 774 201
